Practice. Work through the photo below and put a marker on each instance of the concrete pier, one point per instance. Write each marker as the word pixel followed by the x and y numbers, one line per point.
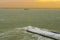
pixel 43 32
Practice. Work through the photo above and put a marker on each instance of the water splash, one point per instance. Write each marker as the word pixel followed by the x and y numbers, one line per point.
pixel 20 34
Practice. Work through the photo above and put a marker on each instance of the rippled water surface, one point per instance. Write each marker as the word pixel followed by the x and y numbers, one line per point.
pixel 10 19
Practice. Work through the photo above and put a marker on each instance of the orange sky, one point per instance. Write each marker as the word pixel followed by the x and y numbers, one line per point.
pixel 29 3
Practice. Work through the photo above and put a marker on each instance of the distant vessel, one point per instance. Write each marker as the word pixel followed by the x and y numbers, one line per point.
pixel 26 9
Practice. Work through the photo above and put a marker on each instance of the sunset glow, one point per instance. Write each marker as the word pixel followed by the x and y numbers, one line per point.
pixel 29 3
pixel 48 0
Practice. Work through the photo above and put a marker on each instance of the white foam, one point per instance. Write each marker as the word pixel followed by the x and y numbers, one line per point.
pixel 13 32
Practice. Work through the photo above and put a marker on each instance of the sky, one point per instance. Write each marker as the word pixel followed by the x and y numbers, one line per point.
pixel 17 0
pixel 27 0
pixel 29 3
